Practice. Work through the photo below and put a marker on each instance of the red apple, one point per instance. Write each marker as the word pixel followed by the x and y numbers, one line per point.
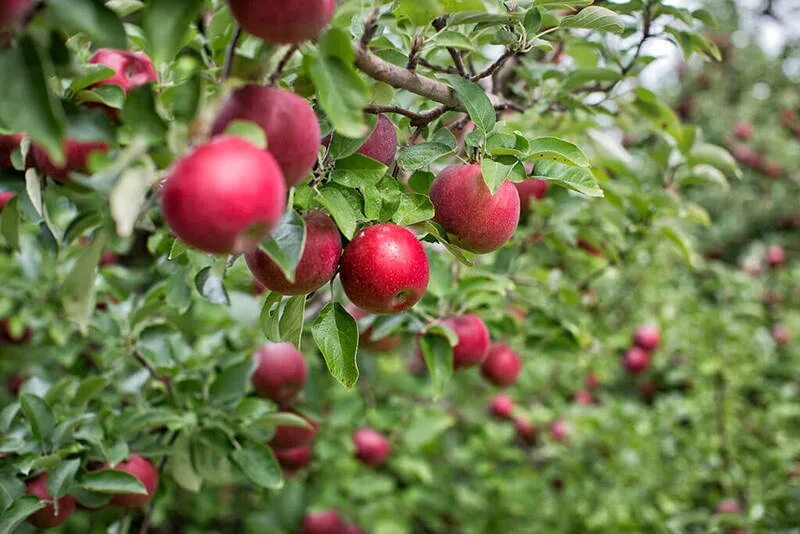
pixel 294 459
pixel 583 397
pixel 416 364
pixel 8 144
pixel 13 384
pixel 372 447
pixel 47 517
pixel 477 220
pixel 282 22
pixel 772 169
pixel 533 188
pixel 13 12
pixel 14 338
pixel 728 506
pixel 636 360
pixel 384 269
pixel 290 437
pixel 290 125
pixel 780 334
pixel 776 256
pixel 323 522
pixel 225 196
pixel 381 145
pixel 146 472
pixel 281 373
pixel 473 339
pixel 559 430
pixel 743 130
pixel 317 264
pixel 647 337
pixel 352 529
pixel 131 69
pixel 502 406
pixel 525 429
pixel 592 381
pixel 77 154
pixel 5 198
pixel 502 366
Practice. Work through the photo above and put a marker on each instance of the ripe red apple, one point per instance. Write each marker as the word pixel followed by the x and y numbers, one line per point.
pixel 728 506
pixel 47 517
pixel 384 269
pixel 477 220
pixel 592 381
pixel 743 130
pixel 14 338
pixel 13 384
pixel 317 264
pixel 76 153
pixel 5 198
pixel 281 372
pixel 131 69
pixel 290 437
pixel 502 406
pixel 772 169
pixel 381 144
pixel 416 364
pixel 532 188
pixel 502 365
pixel 225 196
pixel 294 459
pixel 780 334
pixel 282 22
pixel 8 144
pixel 525 429
pixel 636 360
pixel 647 337
pixel 13 12
pixel 776 256
pixel 583 397
pixel 473 339
pixel 146 472
pixel 323 522
pixel 372 447
pixel 559 430
pixel 288 121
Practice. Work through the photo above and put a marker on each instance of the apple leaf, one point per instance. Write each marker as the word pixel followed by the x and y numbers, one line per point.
pixel 558 150
pixel 286 243
pixel 59 480
pixel 38 414
pixel 166 23
pixel 181 467
pixel 112 481
pixel 438 353
pixel 578 179
pixel 211 287
pixel 259 465
pixel 477 104
pixel 16 514
pixel 291 322
pixel 415 157
pixel 336 334
pixel 9 223
pixel 91 17
pixel 232 383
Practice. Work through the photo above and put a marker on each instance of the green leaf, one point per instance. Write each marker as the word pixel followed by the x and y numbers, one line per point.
pixel 497 171
pixel 414 208
pixel 90 74
pixel 92 18
pixel 683 242
pixel 286 243
pixel 344 206
pixel 415 157
pixel 341 92
pixel 140 118
pixel 128 197
pixel 38 414
pixel 112 96
pixel 211 287
pixel 419 12
pixel 580 77
pixel 476 102
pixel 27 104
pixel 336 334
pixel 18 512
pixel 269 318
pixel 291 323
pixel 662 116
pixel 342 146
pixel 452 39
pixel 259 465
pixel 249 131
pixel 532 21
pixel 715 156
pixel 59 480
pixel 232 383
pixel 438 354
pixel 558 150
pixel 594 18
pixel 9 223
pixel 181 466
pixel 454 6
pixel 165 24
pixel 578 179
pixel 112 481
pixel 79 287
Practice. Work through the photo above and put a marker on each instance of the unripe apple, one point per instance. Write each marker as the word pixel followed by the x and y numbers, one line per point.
pixel 290 437
pixel 131 69
pixel 281 373
pixel 77 154
pixel 384 269
pixel 776 256
pixel 323 522
pixel 526 430
pixel 294 459
pixel 372 447
pixel 780 334
pixel 224 196
pixel 146 472
pixel 317 264
pixel 502 406
pixel 647 337
pixel 282 22
pixel 743 130
pixel 47 517
pixel 636 360
pixel 583 397
pixel 532 188
pixel 10 337
pixel 13 12
pixel 5 198
pixel 559 430
pixel 289 123
pixel 473 339
pixel 477 220
pixel 728 506
pixel 381 145
pixel 8 144
pixel 502 365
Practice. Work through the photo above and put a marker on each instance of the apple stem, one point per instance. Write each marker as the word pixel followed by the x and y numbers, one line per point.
pixel 227 66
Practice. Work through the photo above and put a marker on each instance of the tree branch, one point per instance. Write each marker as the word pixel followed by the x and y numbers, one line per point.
pixel 491 69
pixel 420 119
pixel 275 76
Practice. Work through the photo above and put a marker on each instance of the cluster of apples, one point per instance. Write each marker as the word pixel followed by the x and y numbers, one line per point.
pixel 52 514
pixel 646 339
pixel 746 155
pixel 502 406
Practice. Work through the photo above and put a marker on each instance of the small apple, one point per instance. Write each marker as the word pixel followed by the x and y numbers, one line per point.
pixel 281 373
pixel 477 220
pixel 288 121
pixel 647 337
pixel 592 381
pixel 636 360
pixel 381 145
pixel 323 522
pixel 282 22
pixel 728 506
pixel 772 169
pixel 12 337
pixel 8 144
pixel 776 256
pixel 532 188
pixel 5 198
pixel 559 430
pixel 225 196
pixel 473 339
pixel 743 130
pixel 290 437
pixel 780 334
pixel 502 366
pixel 502 406
pixel 77 154
pixel 384 269
pixel 583 397
pixel 526 430
pixel 295 458
pixel 146 472
pixel 13 384
pixel 317 264
pixel 131 69
pixel 372 447
pixel 47 517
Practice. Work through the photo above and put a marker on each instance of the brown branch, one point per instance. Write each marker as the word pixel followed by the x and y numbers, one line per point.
pixel 436 68
pixel 420 119
pixel 275 76
pixel 491 69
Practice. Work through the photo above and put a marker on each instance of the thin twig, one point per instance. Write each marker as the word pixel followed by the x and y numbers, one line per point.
pixel 417 119
pixel 149 515
pixel 143 361
pixel 275 76
pixel 230 52
pixel 436 68
pixel 491 69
